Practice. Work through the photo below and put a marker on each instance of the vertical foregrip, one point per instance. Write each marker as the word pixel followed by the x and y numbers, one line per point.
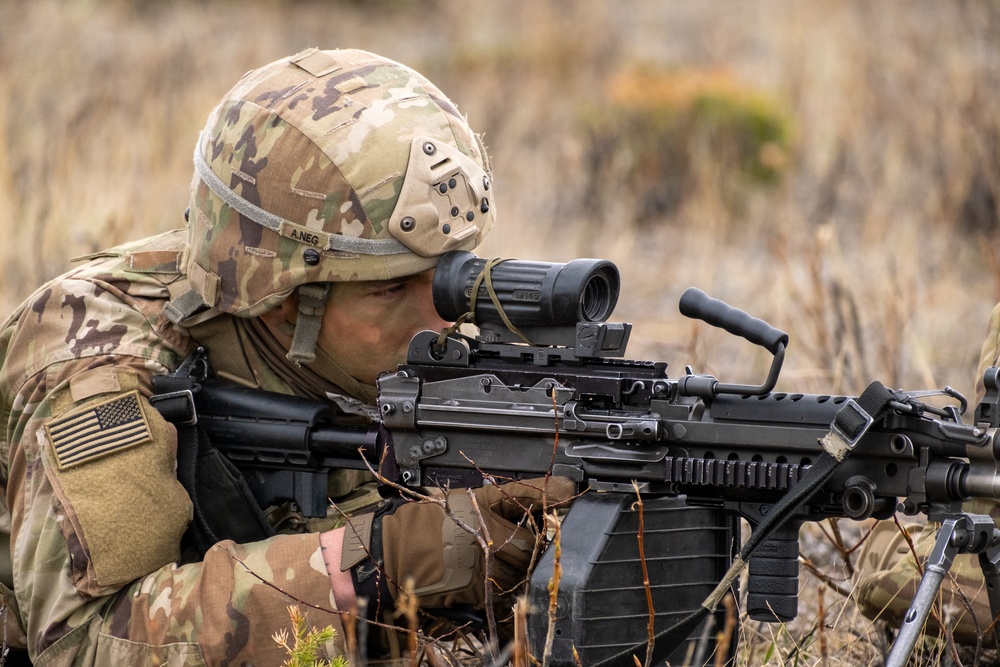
pixel 773 581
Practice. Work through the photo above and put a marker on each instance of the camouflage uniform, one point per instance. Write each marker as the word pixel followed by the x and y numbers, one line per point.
pixel 93 512
pixel 888 575
pixel 96 527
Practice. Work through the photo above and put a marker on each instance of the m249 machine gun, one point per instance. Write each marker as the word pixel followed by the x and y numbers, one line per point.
pixel 544 388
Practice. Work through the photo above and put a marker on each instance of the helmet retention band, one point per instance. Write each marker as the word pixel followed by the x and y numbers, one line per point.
pixel 312 303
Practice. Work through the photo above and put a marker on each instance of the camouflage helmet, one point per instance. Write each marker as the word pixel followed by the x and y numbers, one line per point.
pixel 328 166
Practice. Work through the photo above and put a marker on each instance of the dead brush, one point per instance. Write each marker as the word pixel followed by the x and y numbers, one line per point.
pixel 876 250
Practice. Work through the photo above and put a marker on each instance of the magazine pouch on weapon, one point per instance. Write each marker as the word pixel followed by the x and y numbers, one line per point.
pixel 603 604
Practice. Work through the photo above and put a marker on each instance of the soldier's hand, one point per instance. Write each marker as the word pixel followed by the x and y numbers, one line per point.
pixel 438 547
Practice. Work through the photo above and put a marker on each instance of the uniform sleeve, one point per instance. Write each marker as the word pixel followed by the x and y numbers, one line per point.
pixel 990 354
pixel 97 519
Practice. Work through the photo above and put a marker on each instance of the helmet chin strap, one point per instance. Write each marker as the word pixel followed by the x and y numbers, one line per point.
pixel 312 302
pixel 304 350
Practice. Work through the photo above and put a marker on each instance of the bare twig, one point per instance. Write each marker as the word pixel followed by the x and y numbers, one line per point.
pixel 724 638
pixel 992 626
pixel 408 605
pixel 486 543
pixel 555 437
pixel 281 590
pixel 550 635
pixel 967 604
pixel 432 657
pixel 936 611
pixel 521 632
pixel 355 651
pixel 651 619
pixel 836 538
pixel 864 538
pixel 825 578
pixel 949 640
pixel 909 541
pixel 355 613
pixel 824 649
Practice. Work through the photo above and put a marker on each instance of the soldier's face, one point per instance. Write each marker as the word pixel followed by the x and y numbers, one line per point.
pixel 367 326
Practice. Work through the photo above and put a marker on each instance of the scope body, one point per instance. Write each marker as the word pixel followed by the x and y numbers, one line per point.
pixel 531 294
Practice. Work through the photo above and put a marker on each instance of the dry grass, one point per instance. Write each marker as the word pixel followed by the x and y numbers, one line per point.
pixel 877 251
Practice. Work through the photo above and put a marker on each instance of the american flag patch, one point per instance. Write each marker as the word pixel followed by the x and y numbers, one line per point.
pixel 103 429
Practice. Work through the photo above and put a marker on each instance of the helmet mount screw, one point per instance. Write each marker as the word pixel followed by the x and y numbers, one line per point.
pixel 310 256
pixel 407 224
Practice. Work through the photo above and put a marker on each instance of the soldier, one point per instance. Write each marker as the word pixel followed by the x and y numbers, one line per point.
pixel 326 187
pixel 888 574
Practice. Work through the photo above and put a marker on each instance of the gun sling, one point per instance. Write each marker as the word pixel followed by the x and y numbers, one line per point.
pixel 848 426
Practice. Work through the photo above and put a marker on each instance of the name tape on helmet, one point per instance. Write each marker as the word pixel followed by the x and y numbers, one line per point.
pixel 289 229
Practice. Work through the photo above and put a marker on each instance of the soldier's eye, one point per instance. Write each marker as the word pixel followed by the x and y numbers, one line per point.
pixel 389 291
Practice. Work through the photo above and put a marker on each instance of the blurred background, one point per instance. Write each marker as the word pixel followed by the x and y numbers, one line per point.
pixel 830 166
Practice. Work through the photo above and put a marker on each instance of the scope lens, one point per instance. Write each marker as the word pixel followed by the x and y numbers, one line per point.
pixel 595 301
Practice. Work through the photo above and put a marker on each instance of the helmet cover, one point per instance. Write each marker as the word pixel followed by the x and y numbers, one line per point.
pixel 330 166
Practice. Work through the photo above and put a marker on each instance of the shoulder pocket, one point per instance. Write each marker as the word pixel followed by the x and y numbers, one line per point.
pixel 112 466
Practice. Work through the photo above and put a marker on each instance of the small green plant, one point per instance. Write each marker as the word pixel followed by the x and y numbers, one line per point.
pixel 667 134
pixel 307 647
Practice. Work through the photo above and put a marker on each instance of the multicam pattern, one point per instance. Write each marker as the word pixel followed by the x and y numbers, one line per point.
pixel 94 573
pixel 888 579
pixel 94 547
pixel 322 141
pixel 888 574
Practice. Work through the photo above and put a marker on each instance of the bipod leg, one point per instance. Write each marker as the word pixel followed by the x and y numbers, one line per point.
pixel 959 533
pixel 989 561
